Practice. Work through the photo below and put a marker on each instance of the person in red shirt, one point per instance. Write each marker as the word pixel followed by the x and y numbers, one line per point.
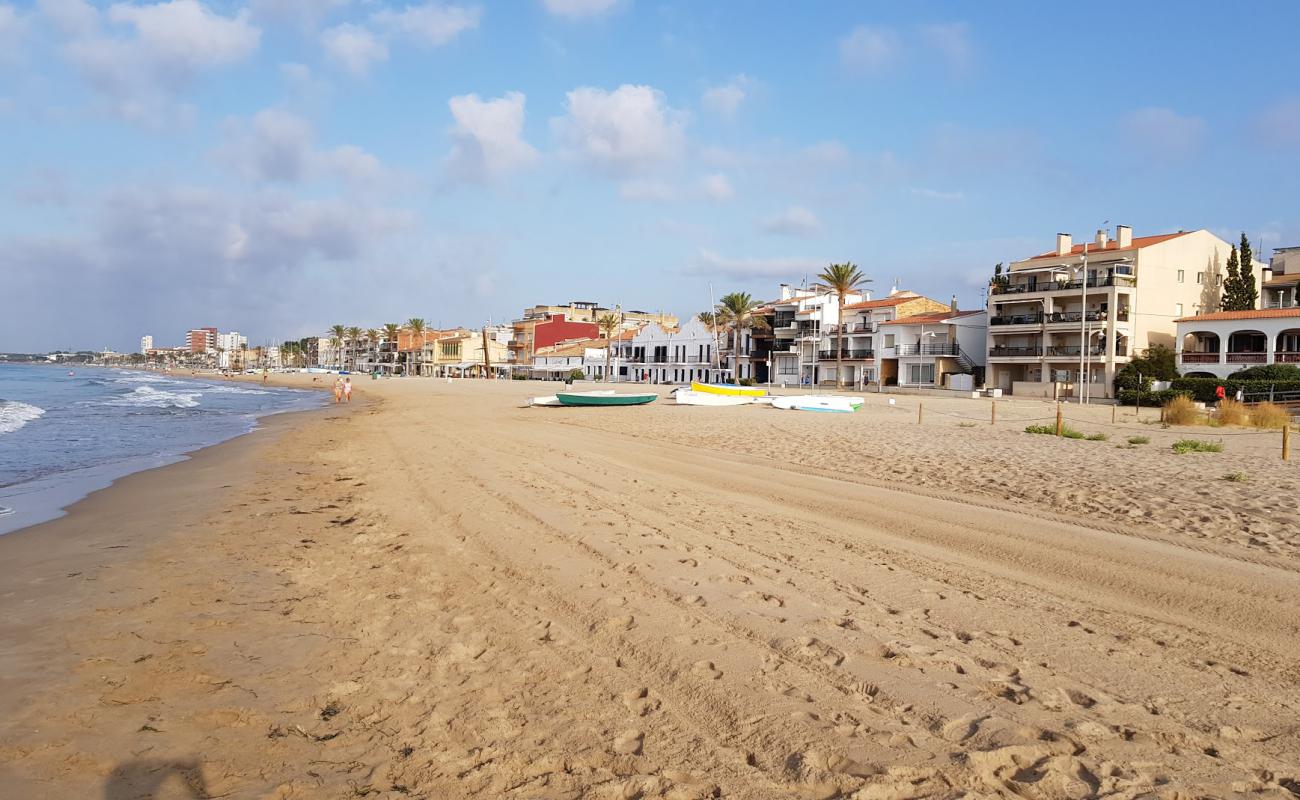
pixel 1219 393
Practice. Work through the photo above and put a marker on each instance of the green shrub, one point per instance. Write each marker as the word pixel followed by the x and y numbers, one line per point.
pixel 1203 389
pixel 748 382
pixel 1130 397
pixel 577 375
pixel 1235 477
pixel 1071 433
pixel 1197 446
pixel 1048 429
pixel 518 376
pixel 1096 437
pixel 1139 440
pixel 1268 372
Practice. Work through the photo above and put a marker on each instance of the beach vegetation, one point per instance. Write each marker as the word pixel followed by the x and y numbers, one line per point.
pixel 841 279
pixel 1096 437
pixel 1071 433
pixel 1136 440
pixel 609 325
pixel 1232 412
pixel 1236 477
pixel 1045 429
pixel 1269 415
pixel 965 425
pixel 1267 372
pixel 1197 446
pixel 1181 410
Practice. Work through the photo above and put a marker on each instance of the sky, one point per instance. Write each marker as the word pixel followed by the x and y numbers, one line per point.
pixel 279 166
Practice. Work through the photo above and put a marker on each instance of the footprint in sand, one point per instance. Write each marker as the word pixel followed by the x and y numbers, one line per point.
pixel 763 597
pixel 815 648
pixel 629 742
pixel 693 600
pixel 705 669
pixel 639 702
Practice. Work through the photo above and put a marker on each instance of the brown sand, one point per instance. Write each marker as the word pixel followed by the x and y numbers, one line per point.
pixel 441 594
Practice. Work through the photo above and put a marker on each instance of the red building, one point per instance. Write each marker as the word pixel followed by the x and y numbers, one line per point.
pixel 202 340
pixel 532 333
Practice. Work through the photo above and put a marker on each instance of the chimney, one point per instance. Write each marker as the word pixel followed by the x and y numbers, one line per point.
pixel 785 291
pixel 1123 236
pixel 954 304
pixel 1101 239
pixel 1064 244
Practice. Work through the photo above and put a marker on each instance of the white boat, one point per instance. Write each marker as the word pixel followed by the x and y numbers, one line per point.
pixel 553 400
pixel 819 402
pixel 690 397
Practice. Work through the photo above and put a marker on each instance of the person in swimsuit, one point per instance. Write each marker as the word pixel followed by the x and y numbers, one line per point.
pixel 338 390
pixel 347 390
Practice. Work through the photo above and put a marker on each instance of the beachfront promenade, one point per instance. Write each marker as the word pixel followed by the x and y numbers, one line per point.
pixel 440 593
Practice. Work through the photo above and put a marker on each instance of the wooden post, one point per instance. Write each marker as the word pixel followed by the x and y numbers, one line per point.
pixel 1286 442
pixel 1112 413
pixel 1060 420
pixel 919 406
pixel 993 412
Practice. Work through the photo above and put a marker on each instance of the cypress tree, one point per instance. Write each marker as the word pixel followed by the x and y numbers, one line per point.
pixel 1247 292
pixel 1230 283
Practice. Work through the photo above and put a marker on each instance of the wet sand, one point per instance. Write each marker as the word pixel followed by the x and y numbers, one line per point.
pixel 442 594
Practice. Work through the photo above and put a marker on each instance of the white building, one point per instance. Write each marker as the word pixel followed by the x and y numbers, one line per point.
pixel 1224 342
pixel 934 350
pixel 787 351
pixel 230 349
pixel 146 344
pixel 656 354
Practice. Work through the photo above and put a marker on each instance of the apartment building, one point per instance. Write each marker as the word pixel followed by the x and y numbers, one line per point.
pixel 1072 316
pixel 462 355
pixel 863 345
pixel 786 349
pixel 933 350
pixel 1280 287
pixel 146 343
pixel 201 340
pixel 558 324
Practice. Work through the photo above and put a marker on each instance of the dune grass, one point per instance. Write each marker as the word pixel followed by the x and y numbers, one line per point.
pixel 1181 411
pixel 1269 415
pixel 1135 440
pixel 1197 446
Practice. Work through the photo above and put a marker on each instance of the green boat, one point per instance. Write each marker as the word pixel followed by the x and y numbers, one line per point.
pixel 594 399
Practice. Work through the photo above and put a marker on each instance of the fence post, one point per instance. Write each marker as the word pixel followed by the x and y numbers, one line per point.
pixel 993 412
pixel 919 406
pixel 1286 441
pixel 1112 413
pixel 1060 421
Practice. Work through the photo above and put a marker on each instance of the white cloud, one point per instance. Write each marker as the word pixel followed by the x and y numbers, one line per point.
pixel 649 190
pixel 354 47
pixel 576 9
pixel 13 30
pixel 725 100
pixel 431 24
pixel 1164 133
pixel 624 131
pixel 185 34
pixel 70 17
pixel 708 262
pixel 952 40
pixel 825 154
pixel 488 137
pixel 793 221
pixel 935 194
pixel 170 43
pixel 716 187
pixel 306 13
pixel 277 146
pixel 868 49
pixel 1279 124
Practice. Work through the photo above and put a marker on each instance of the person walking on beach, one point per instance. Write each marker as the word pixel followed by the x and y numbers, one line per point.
pixel 338 390
pixel 347 390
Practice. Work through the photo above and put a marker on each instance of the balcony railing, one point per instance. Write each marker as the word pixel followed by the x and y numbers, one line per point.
pixel 1062 286
pixel 1199 358
pixel 1286 357
pixel 928 350
pixel 829 355
pixel 1008 352
pixel 1247 358
pixel 1056 317
pixel 1074 350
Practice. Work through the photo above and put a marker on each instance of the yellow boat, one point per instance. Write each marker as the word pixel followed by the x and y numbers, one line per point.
pixel 728 389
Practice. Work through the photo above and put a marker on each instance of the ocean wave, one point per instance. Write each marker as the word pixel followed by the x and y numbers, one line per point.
pixel 234 390
pixel 14 415
pixel 149 397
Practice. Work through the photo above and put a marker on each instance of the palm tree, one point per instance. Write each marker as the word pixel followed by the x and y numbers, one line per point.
pixel 712 321
pixel 391 332
pixel 608 324
pixel 337 334
pixel 354 338
pixel 416 324
pixel 737 311
pixel 841 279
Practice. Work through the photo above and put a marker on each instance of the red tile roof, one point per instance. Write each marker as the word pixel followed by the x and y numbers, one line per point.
pixel 930 317
pixel 1113 245
pixel 886 303
pixel 1262 313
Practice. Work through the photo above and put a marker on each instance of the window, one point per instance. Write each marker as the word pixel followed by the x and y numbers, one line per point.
pixel 1180 276
pixel 920 373
pixel 1200 277
pixel 1178 309
pixel 1218 280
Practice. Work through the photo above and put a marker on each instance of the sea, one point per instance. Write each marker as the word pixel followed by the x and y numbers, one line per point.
pixel 66 432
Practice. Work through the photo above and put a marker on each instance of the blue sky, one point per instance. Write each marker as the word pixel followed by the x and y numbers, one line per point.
pixel 278 166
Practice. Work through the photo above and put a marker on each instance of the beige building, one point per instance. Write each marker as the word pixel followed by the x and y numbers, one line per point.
pixel 1069 318
pixel 460 354
pixel 1281 284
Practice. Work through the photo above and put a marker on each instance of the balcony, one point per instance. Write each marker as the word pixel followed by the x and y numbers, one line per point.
pixel 928 350
pixel 1057 317
pixel 1286 357
pixel 1199 358
pixel 1247 358
pixel 1073 350
pixel 829 355
pixel 1014 352
pixel 1064 285
pixel 1280 302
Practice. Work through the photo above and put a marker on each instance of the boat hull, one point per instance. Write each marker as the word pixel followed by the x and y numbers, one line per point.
pixel 567 399
pixel 689 397
pixel 552 400
pixel 814 402
pixel 728 389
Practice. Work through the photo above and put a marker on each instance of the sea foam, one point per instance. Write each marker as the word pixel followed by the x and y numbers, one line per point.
pixel 149 397
pixel 14 415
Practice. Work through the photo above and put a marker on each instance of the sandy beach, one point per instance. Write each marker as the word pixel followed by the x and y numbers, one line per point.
pixel 439 593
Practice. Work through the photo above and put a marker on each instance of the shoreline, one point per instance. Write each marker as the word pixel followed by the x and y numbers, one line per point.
pixel 52 495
